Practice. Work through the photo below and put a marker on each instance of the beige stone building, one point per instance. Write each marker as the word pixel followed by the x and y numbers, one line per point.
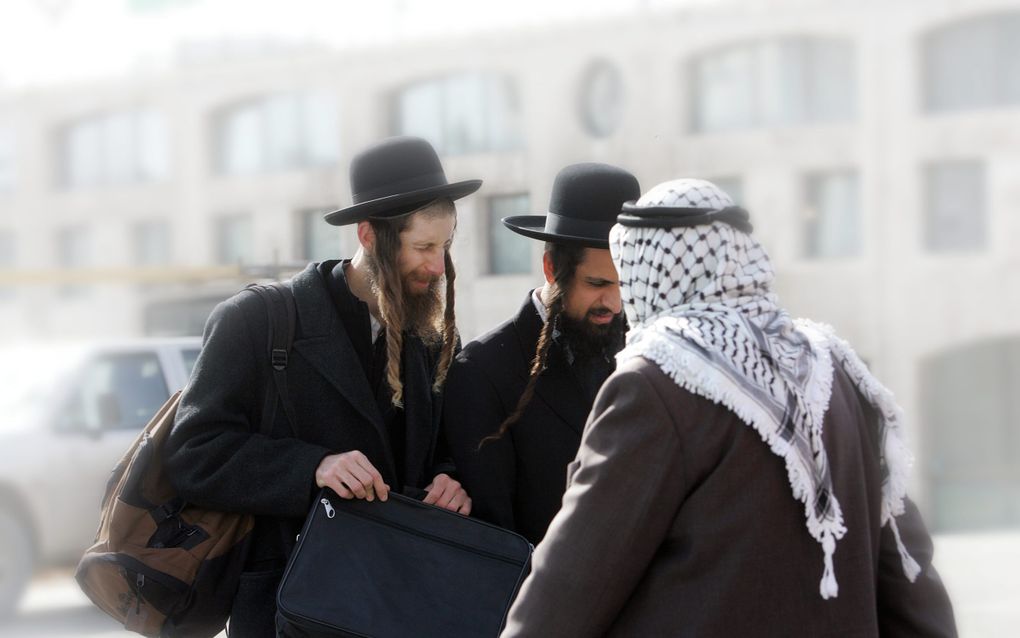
pixel 877 145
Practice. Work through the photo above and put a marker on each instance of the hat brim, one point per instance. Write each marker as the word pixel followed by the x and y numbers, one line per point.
pixel 533 226
pixel 396 205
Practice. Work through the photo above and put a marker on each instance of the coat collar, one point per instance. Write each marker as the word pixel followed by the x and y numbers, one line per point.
pixel 325 345
pixel 557 386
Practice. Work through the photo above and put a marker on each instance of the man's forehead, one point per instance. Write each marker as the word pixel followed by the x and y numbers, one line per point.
pixel 432 222
pixel 597 263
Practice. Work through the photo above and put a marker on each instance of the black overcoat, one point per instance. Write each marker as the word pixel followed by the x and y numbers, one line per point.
pixel 517 481
pixel 216 460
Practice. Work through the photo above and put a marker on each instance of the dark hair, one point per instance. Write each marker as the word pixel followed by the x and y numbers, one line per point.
pixel 565 259
pixel 391 301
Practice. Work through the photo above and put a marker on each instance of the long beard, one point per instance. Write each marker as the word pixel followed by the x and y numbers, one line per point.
pixel 588 341
pixel 422 312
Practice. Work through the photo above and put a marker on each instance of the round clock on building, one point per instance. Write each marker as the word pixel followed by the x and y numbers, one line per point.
pixel 601 98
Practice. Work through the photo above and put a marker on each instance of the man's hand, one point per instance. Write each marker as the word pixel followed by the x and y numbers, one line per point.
pixel 448 493
pixel 351 475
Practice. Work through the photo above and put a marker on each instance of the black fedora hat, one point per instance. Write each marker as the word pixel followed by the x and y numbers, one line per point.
pixel 585 201
pixel 395 177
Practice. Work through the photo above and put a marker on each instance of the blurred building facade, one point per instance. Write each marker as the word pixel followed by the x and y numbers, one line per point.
pixel 876 144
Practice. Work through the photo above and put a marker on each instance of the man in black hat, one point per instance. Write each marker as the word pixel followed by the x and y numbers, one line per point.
pixel 373 340
pixel 518 396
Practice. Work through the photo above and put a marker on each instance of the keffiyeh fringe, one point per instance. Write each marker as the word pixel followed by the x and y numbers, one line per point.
pixel 657 343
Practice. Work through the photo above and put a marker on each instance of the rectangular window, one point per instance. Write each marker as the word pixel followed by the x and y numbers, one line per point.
pixel 278 132
pixel 956 208
pixel 118 148
pixel 235 239
pixel 317 240
pixel 779 82
pixel 8 170
pixel 509 253
pixel 238 138
pixel 74 252
pixel 832 215
pixel 724 90
pixel 462 113
pixel 151 242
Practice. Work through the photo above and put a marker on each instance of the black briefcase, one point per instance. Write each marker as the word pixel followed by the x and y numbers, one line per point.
pixel 397 569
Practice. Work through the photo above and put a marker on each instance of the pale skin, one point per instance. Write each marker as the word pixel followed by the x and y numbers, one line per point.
pixel 594 294
pixel 423 245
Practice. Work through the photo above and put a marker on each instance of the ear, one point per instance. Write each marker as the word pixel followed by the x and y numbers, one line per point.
pixel 366 235
pixel 547 266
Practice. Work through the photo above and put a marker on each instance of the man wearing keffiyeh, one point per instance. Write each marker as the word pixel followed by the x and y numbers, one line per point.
pixel 742 472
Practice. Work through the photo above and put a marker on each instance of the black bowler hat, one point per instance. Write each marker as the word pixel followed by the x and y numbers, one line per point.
pixel 395 177
pixel 585 200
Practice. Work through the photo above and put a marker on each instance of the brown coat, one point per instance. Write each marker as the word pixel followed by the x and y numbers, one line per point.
pixel 679 521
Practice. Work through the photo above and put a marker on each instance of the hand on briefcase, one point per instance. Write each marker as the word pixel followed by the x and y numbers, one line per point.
pixel 398 568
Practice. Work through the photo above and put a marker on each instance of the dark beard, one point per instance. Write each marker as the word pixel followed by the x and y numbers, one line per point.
pixel 588 341
pixel 422 312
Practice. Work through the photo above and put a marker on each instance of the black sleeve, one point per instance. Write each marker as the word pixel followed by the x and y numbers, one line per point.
pixel 443 461
pixel 214 455
pixel 921 608
pixel 472 410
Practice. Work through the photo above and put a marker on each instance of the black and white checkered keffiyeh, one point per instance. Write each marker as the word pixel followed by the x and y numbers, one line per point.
pixel 700 305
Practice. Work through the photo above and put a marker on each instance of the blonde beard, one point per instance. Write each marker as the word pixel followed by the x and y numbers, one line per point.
pixel 422 312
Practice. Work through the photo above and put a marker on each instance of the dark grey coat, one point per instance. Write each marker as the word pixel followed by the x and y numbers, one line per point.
pixel 216 461
pixel 517 481
pixel 679 521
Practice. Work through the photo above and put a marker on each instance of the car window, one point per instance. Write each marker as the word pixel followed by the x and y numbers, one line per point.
pixel 118 391
pixel 190 355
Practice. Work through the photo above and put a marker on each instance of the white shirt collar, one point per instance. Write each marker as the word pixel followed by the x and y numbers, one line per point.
pixel 536 299
pixel 376 327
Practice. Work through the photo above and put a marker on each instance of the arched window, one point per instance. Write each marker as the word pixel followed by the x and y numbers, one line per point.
pixel 973 64
pixel 278 132
pixel 460 114
pixel 116 148
pixel 786 81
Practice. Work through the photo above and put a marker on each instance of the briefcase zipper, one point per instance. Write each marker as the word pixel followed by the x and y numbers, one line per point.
pixel 330 512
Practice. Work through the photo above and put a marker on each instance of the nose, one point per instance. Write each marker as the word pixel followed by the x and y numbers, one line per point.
pixel 611 299
pixel 436 264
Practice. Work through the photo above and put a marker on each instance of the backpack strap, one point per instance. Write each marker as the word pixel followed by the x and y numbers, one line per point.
pixel 285 312
pixel 281 313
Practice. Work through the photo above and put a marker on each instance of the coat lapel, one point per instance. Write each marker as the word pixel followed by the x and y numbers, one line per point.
pixel 328 349
pixel 557 386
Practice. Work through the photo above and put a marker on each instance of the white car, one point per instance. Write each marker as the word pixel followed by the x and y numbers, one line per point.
pixel 67 415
